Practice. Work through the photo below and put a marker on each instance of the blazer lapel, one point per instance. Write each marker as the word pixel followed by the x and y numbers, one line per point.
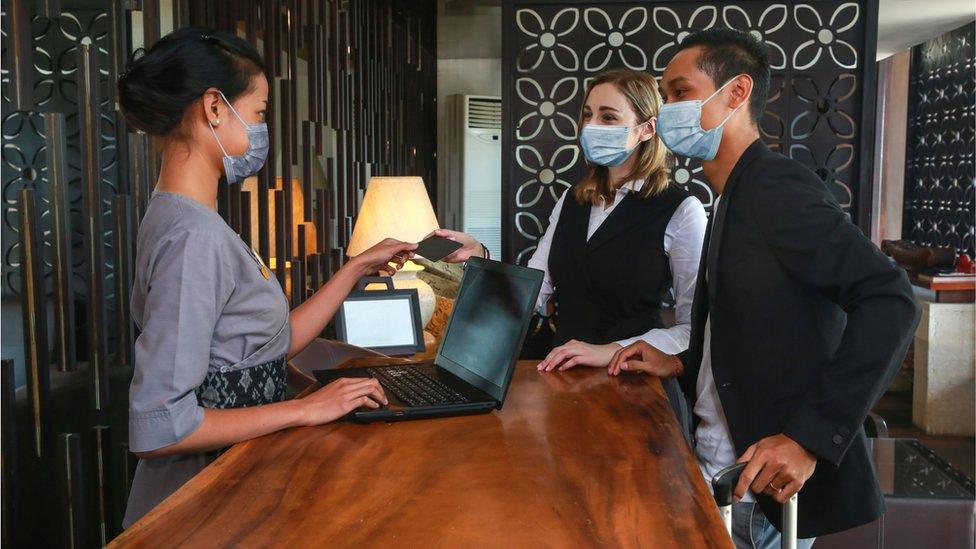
pixel 714 240
pixel 699 312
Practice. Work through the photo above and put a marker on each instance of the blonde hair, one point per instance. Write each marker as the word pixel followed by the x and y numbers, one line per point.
pixel 653 158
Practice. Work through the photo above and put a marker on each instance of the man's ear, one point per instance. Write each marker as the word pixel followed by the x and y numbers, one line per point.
pixel 741 90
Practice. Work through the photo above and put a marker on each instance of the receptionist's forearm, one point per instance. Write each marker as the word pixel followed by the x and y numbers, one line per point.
pixel 223 427
pixel 310 318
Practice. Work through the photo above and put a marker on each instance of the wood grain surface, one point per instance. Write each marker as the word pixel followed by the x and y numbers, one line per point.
pixel 575 459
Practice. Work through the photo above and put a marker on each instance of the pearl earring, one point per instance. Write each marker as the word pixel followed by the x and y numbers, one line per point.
pixel 216 122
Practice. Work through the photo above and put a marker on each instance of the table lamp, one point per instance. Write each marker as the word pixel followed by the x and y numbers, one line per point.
pixel 397 207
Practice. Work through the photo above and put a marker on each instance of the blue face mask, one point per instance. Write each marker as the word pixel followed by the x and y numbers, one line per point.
pixel 606 145
pixel 239 168
pixel 679 125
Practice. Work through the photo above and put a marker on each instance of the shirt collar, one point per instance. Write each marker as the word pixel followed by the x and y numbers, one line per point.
pixel 634 186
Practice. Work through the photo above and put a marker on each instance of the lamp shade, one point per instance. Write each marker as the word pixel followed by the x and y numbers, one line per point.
pixel 394 207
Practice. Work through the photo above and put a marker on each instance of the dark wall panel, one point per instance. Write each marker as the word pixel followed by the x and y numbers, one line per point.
pixel 940 181
pixel 820 110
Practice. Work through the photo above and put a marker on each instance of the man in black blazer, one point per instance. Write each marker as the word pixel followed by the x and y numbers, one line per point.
pixel 799 321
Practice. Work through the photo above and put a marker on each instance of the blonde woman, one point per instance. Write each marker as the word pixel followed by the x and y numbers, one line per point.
pixel 621 239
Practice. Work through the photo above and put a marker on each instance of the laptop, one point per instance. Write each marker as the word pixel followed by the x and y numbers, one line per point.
pixel 475 362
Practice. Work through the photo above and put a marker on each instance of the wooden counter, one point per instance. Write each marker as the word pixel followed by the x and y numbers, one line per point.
pixel 574 459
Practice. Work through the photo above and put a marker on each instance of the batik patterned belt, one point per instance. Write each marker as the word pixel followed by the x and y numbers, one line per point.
pixel 252 386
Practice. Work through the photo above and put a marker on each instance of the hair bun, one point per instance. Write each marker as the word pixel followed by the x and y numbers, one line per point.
pixel 158 85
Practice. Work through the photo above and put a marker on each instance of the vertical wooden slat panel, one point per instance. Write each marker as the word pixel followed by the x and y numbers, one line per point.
pixel 281 228
pixel 286 169
pixel 90 137
pixel 140 184
pixel 234 206
pixel 63 266
pixel 181 13
pixel 308 161
pixel 122 214
pixel 104 531
pixel 73 514
pixel 291 53
pixel 297 287
pixel 8 452
pixel 324 229
pixel 20 55
pixel 151 30
pixel 312 80
pixel 223 200
pixel 35 323
pixel 119 39
pixel 48 8
pixel 245 209
pixel 333 44
pixel 302 262
pixel 126 471
pixel 264 216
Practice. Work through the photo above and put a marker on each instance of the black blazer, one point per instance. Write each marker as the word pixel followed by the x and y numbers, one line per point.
pixel 809 323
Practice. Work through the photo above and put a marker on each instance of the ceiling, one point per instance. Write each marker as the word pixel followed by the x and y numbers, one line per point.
pixel 905 23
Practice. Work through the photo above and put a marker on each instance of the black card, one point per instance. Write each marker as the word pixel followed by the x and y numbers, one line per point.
pixel 436 248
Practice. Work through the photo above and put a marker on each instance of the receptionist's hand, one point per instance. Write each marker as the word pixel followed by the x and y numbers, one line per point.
pixel 641 356
pixel 341 397
pixel 578 353
pixel 469 245
pixel 386 257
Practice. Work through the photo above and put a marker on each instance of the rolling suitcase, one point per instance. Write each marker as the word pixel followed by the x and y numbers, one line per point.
pixel 723 484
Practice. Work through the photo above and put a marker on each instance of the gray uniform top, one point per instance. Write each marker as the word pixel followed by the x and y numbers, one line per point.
pixel 202 304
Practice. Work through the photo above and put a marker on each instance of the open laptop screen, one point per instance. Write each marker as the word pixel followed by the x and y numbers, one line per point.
pixel 488 323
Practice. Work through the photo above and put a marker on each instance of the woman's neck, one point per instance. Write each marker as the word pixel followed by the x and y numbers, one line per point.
pixel 189 173
pixel 616 174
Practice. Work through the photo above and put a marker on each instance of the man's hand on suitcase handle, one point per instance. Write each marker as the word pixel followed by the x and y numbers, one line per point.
pixel 778 467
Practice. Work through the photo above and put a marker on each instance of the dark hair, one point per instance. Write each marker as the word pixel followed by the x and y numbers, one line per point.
pixel 157 87
pixel 728 53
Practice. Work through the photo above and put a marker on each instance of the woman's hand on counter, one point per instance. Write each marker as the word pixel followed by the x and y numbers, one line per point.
pixel 641 356
pixel 386 257
pixel 469 245
pixel 577 353
pixel 339 398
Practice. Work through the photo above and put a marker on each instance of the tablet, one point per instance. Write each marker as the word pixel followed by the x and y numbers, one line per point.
pixel 386 321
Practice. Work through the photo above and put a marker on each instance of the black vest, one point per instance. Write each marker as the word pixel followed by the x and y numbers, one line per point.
pixel 610 287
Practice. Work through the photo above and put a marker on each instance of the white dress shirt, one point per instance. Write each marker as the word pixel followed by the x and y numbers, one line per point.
pixel 683 238
pixel 713 439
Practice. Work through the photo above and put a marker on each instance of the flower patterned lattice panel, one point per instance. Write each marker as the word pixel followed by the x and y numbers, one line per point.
pixel 813 113
pixel 940 183
pixel 56 43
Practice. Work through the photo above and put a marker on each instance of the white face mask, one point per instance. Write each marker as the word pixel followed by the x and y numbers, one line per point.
pixel 679 125
pixel 606 145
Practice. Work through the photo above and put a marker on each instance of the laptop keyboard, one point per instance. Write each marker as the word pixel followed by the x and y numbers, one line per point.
pixel 416 388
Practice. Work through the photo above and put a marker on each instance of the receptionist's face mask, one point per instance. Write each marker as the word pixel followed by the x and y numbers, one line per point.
pixel 238 168
pixel 679 125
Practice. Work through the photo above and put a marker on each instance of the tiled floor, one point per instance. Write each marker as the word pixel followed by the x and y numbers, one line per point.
pixel 896 409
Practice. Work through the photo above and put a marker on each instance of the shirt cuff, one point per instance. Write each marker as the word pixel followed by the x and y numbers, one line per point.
pixel 661 339
pixel 155 429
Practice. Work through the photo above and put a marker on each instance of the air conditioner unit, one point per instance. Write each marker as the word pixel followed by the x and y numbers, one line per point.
pixel 470 196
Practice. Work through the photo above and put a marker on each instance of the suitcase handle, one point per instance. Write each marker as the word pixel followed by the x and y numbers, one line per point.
pixel 723 486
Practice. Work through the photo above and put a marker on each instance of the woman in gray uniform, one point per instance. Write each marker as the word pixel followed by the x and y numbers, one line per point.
pixel 215 325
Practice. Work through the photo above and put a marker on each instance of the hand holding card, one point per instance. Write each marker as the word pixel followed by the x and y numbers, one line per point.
pixel 436 248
